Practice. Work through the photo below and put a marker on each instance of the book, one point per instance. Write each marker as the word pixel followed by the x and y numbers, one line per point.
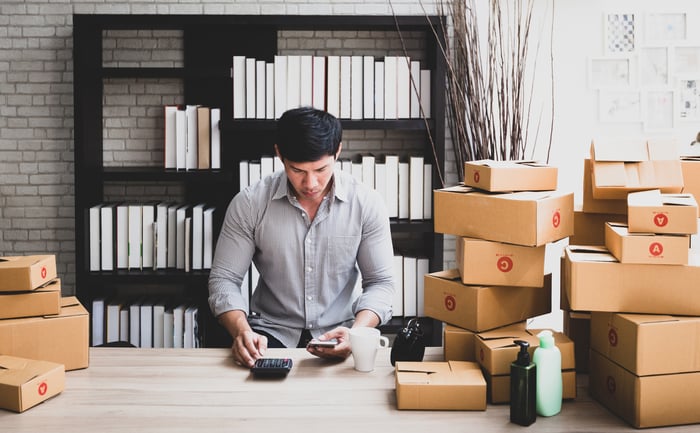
pixel 414 86
pixel 94 222
pixel 203 138
pixel 180 215
pixel 124 324
pixel 410 293
pixel 191 329
pixel 280 85
pixel 415 188
pixel 148 217
pixel 318 90
pixel 306 76
pixel 368 87
pixel 113 312
pixel 135 323
pixel 98 321
pixel 404 190
pixel 161 236
pixel 135 236
pixel 427 191
pixel 260 86
pixel 390 71
pixel 168 327
pixel 146 323
pixel 188 243
pixel 356 87
pixel 191 144
pixel 158 324
pixel 208 237
pixel 425 92
pixel 345 86
pixel 172 236
pixel 368 163
pixel 243 175
pixel 397 304
pixel 122 229
pixel 293 81
pixel 269 91
pixel 333 85
pixel 180 139
pixel 392 185
pixel 250 87
pixel 422 268
pixel 178 326
pixel 379 90
pixel 198 235
pixel 380 180
pixel 215 118
pixel 266 166
pixel 403 87
pixel 169 136
pixel 239 87
pixel 254 171
pixel 108 236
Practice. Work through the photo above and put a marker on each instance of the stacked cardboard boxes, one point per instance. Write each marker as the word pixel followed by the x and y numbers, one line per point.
pixel 635 286
pixel 503 217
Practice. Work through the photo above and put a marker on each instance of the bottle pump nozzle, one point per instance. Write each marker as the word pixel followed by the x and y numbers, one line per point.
pixel 523 354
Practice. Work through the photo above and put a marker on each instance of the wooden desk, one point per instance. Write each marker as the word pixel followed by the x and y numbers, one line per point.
pixel 192 390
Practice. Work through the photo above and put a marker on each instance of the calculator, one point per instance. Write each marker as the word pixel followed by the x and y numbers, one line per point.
pixel 271 367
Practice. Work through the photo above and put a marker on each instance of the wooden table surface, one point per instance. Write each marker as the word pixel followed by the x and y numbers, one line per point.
pixel 192 390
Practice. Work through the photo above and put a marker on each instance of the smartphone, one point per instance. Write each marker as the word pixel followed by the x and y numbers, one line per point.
pixel 322 343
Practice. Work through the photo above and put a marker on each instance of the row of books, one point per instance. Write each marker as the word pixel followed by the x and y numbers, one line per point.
pixel 349 87
pixel 409 285
pixel 145 323
pixel 192 137
pixel 406 186
pixel 151 236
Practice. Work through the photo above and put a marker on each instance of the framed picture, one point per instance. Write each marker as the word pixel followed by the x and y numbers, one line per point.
pixel 665 26
pixel 620 106
pixel 654 66
pixel 620 32
pixel 688 104
pixel 658 110
pixel 686 61
pixel 609 72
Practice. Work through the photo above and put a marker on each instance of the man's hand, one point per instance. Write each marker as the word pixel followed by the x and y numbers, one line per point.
pixel 247 347
pixel 341 350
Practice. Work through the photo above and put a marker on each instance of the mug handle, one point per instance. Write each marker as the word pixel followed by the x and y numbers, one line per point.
pixel 383 341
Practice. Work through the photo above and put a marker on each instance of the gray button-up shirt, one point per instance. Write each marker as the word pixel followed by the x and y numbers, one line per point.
pixel 308 269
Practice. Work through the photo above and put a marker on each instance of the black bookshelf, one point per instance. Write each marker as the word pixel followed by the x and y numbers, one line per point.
pixel 210 41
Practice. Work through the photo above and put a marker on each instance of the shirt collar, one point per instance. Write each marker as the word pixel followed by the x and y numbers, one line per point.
pixel 339 189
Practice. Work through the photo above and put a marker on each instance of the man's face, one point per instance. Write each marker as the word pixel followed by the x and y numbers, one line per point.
pixel 310 179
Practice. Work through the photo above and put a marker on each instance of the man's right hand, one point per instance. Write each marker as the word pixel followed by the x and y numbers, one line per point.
pixel 247 347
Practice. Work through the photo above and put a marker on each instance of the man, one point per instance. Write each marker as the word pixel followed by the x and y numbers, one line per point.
pixel 307 230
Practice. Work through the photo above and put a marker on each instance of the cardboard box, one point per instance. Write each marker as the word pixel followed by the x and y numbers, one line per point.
pixel 452 385
pixel 589 228
pixel 45 300
pixel 595 281
pixel 18 273
pixel 478 308
pixel 497 263
pixel 646 401
pixel 521 218
pixel 620 166
pixel 458 343
pixel 24 383
pixel 654 212
pixel 495 349
pixel 498 387
pixel 690 165
pixel 648 344
pixel 577 326
pixel 594 205
pixel 62 338
pixel 504 176
pixel 646 247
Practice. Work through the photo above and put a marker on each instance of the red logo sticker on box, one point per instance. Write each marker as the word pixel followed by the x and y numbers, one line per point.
pixel 43 387
pixel 504 264
pixel 610 384
pixel 656 249
pixel 481 354
pixel 43 272
pixel 660 220
pixel 477 176
pixel 556 219
pixel 612 337
pixel 450 302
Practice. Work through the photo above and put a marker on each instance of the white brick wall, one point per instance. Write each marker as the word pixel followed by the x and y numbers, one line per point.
pixel 36 105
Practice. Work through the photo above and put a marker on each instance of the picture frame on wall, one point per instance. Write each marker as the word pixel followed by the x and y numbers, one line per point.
pixel 686 60
pixel 665 27
pixel 620 32
pixel 610 72
pixel 688 104
pixel 620 106
pixel 654 66
pixel 658 110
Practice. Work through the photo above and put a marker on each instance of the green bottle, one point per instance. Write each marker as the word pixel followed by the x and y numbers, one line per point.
pixel 523 382
pixel 547 358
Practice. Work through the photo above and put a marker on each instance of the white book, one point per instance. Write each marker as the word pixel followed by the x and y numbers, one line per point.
pixel 306 81
pixel 410 292
pixel 191 331
pixel 260 86
pixel 333 85
pixel 94 224
pixel 319 83
pixel 178 326
pixel 124 324
pixel 188 243
pixel 422 268
pixel 404 190
pixel 135 238
pixel 161 246
pixel 113 326
pixel 198 235
pixel 208 247
pixel 180 139
pixel 414 85
pixel 266 166
pixel 293 81
pixel 98 321
pixel 239 97
pixel 346 165
pixel 168 328
pixel 380 179
pixel 158 324
pixel 191 147
pixel 397 305
pixel 277 164
pixel 169 135
pixel 280 85
pixel 368 162
pixel 392 185
pixel 368 87
pixel 425 85
pixel 379 90
pixel 122 236
pixel 146 324
pixel 203 138
pixel 254 172
pixel 415 188
pixel 148 217
pixel 250 86
pixel 108 215
pixel 172 236
pixel 345 86
pixel 135 323
pixel 243 175
pixel 215 118
pixel 269 91
pixel 403 87
pixel 427 191
pixel 357 170
pixel 356 87
pixel 180 216
pixel 390 70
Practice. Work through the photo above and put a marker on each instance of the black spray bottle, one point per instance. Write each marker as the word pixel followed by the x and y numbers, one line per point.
pixel 523 383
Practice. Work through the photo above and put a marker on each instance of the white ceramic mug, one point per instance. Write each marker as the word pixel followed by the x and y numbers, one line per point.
pixel 364 342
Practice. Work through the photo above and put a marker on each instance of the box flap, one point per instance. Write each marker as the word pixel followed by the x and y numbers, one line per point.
pixel 447 274
pixel 619 149
pixel 641 319
pixel 589 253
pixel 17 371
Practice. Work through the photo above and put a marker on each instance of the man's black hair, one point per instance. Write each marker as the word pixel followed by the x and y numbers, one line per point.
pixel 306 134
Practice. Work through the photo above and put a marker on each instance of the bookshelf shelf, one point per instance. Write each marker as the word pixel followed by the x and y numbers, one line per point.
pixel 208 44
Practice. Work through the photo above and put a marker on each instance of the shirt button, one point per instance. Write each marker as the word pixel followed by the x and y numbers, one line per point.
pixel 309 269
pixel 309 298
pixel 310 326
